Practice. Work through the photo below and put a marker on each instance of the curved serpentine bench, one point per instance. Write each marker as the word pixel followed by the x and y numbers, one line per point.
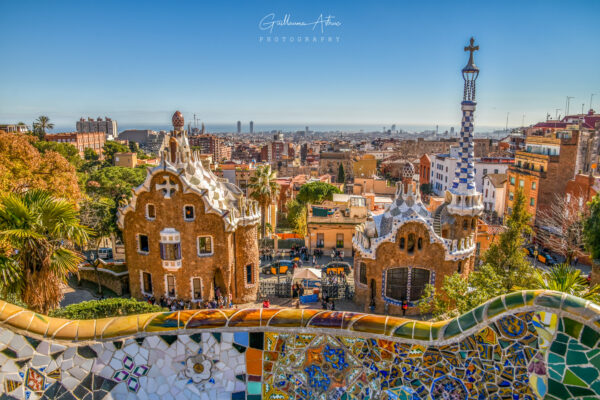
pixel 529 344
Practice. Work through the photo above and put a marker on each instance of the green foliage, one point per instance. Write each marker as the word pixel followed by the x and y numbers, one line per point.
pixel 264 188
pixel 99 214
pixel 427 188
pixel 112 147
pixel 591 229
pixel 316 192
pixel 297 216
pixel 38 233
pixel 459 295
pixel 115 182
pixel 341 177
pixel 41 125
pixel 505 269
pixel 67 150
pixel 507 256
pixel 90 155
pixel 114 307
pixel 564 278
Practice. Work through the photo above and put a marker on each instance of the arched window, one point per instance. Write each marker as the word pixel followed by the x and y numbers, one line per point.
pixel 473 223
pixel 396 284
pixel 362 273
pixel 419 278
pixel 249 274
pixel 465 226
pixel 410 243
pixel 420 243
pixel 459 267
pixel 402 243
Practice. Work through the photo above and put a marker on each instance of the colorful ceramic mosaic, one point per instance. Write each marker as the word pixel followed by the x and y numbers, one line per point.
pixel 526 345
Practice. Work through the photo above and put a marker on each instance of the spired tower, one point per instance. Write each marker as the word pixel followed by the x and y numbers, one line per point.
pixel 398 253
pixel 465 204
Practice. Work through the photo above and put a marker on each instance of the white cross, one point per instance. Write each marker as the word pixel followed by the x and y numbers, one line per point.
pixel 167 187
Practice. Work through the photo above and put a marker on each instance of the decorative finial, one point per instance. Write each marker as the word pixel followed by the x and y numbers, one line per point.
pixel 471 48
pixel 178 121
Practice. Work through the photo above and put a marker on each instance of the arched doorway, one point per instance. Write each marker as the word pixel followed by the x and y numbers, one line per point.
pixel 219 282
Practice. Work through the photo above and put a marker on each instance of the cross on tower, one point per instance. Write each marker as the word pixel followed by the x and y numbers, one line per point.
pixel 471 48
pixel 167 187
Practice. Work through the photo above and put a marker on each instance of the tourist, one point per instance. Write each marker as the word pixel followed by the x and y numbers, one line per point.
pixel 404 307
pixel 266 303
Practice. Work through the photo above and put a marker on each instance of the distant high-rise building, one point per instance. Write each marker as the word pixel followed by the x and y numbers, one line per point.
pixel 239 127
pixel 106 125
pixel 306 130
pixel 251 127
pixel 394 128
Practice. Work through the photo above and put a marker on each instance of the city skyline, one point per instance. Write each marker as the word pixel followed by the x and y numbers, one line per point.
pixel 393 64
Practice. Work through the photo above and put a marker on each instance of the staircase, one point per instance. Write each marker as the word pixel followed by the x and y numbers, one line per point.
pixel 437 220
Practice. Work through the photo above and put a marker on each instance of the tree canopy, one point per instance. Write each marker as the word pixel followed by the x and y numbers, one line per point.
pixel 316 192
pixel 115 182
pixel 591 229
pixel 67 150
pixel 341 177
pixel 112 147
pixel 24 167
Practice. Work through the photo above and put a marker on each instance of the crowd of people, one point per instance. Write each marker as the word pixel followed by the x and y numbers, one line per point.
pixel 174 304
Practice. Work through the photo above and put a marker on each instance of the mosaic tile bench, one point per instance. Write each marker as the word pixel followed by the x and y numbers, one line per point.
pixel 525 345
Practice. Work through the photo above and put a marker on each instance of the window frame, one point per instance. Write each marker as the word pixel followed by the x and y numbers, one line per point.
pixel 167 294
pixel 142 284
pixel 148 217
pixel 186 219
pixel 138 238
pixel 212 246
pixel 362 273
pixel 339 244
pixel 194 299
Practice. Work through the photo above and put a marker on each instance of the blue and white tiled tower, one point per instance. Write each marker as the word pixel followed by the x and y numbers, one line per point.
pixel 463 197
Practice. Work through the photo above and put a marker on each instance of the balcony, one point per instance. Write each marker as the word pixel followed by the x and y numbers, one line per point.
pixel 171 265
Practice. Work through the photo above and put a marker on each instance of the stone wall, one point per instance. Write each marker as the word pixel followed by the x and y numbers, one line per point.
pixel 116 283
pixel 526 345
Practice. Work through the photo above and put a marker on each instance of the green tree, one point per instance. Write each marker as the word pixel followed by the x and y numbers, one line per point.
pixel 264 189
pixel 67 150
pixel 38 233
pixel 566 279
pixel 297 216
pixel 427 188
pixel 110 148
pixel 115 182
pixel 105 308
pixel 459 295
pixel 99 214
pixel 316 192
pixel 41 125
pixel 506 256
pixel 341 177
pixel 591 229
pixel 90 155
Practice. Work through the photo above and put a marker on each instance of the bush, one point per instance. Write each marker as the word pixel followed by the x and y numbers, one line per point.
pixel 105 308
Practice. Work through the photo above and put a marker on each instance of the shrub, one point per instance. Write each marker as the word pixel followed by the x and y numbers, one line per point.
pixel 105 308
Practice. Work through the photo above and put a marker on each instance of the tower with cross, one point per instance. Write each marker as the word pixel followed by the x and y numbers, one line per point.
pixel 463 196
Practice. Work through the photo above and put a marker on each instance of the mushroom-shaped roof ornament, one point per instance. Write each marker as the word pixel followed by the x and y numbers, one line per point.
pixel 178 121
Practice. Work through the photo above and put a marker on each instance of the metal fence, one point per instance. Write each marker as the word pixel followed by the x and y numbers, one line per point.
pixel 275 289
pixel 334 289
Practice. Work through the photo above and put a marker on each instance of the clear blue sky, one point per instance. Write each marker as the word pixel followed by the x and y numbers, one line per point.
pixel 396 61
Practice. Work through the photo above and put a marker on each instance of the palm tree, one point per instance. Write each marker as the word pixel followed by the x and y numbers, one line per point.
pixel 264 189
pixel 564 278
pixel 41 124
pixel 37 234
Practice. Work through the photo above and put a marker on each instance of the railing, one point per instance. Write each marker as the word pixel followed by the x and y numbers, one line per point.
pixel 530 344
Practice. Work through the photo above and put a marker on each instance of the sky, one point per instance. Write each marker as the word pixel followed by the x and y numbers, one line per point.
pixel 388 62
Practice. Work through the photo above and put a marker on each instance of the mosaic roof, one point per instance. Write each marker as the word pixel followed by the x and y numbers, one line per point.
pixel 220 197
